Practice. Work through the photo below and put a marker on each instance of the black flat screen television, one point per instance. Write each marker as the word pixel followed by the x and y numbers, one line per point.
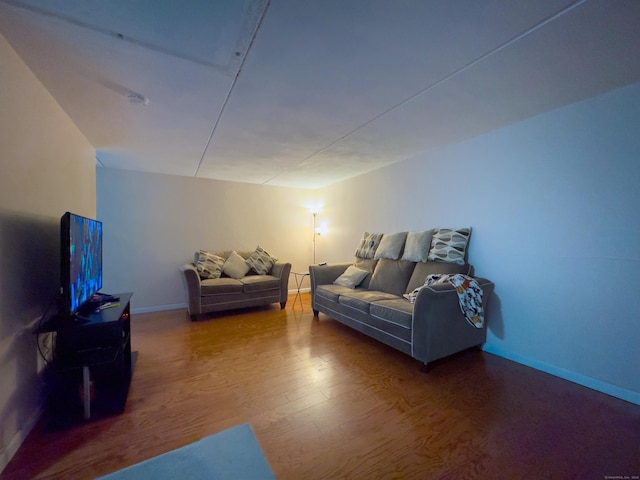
pixel 81 262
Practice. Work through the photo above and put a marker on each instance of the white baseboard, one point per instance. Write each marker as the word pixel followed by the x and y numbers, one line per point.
pixel 18 439
pixel 302 290
pixel 585 381
pixel 159 308
pixel 178 306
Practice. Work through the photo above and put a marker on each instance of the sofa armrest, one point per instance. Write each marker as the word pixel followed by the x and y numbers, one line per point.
pixel 323 275
pixel 439 327
pixel 282 271
pixel 192 285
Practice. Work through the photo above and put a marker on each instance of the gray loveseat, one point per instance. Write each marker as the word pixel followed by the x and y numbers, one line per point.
pixel 431 328
pixel 207 295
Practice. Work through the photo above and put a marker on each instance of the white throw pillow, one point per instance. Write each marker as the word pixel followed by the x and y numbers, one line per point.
pixel 416 248
pixel 352 277
pixel 391 245
pixel 235 266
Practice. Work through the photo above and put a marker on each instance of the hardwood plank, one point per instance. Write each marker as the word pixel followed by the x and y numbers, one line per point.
pixel 327 402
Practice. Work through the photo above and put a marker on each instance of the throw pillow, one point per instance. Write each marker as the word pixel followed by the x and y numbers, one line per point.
pixel 450 245
pixel 391 245
pixel 260 261
pixel 235 266
pixel 368 245
pixel 416 248
pixel 209 265
pixel 368 264
pixel 352 277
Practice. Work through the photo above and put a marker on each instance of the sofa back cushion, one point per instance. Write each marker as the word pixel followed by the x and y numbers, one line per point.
pixel 391 276
pixel 423 269
pixel 227 253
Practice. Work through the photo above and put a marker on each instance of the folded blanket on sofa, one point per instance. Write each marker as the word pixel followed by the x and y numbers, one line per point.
pixel 469 295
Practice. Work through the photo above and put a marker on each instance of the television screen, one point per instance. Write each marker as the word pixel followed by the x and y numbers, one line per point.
pixel 81 242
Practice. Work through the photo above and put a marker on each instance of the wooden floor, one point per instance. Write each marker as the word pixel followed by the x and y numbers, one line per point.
pixel 326 402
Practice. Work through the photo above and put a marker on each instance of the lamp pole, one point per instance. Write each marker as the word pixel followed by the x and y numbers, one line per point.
pixel 314 237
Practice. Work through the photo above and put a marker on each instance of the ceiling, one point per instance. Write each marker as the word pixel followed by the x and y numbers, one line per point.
pixel 304 93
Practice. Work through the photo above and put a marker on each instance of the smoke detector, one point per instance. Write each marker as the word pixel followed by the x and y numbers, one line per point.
pixel 137 99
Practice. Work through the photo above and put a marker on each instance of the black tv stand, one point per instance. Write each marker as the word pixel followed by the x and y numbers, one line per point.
pixel 107 297
pixel 92 362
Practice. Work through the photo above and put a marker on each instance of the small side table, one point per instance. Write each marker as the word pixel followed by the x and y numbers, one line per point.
pixel 299 276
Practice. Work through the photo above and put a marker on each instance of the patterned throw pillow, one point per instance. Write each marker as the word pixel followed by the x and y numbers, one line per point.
pixel 260 261
pixel 449 245
pixel 235 266
pixel 209 265
pixel 368 245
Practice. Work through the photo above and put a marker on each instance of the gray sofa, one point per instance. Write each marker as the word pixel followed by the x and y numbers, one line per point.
pixel 431 328
pixel 207 295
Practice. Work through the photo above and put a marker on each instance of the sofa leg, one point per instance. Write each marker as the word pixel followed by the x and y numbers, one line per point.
pixel 425 367
pixel 316 313
pixel 282 305
pixel 193 318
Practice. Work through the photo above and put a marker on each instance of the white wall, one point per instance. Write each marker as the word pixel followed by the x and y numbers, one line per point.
pixel 553 202
pixel 154 223
pixel 46 168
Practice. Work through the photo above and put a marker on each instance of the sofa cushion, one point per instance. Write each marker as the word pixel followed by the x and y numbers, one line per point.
pixel 361 299
pixel 368 245
pixel 209 265
pixel 260 261
pixel 391 276
pixel 417 246
pixel 449 245
pixel 423 269
pixel 217 286
pixel 235 266
pixel 352 277
pixel 398 311
pixel 260 283
pixel 332 292
pixel 391 245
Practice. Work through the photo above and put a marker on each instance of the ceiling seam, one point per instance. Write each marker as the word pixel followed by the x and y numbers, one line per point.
pixel 439 82
pixel 113 34
pixel 231 87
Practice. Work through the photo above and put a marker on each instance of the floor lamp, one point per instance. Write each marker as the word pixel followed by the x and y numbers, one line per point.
pixel 315 234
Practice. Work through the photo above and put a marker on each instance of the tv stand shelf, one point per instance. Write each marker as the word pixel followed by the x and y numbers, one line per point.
pixel 92 362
